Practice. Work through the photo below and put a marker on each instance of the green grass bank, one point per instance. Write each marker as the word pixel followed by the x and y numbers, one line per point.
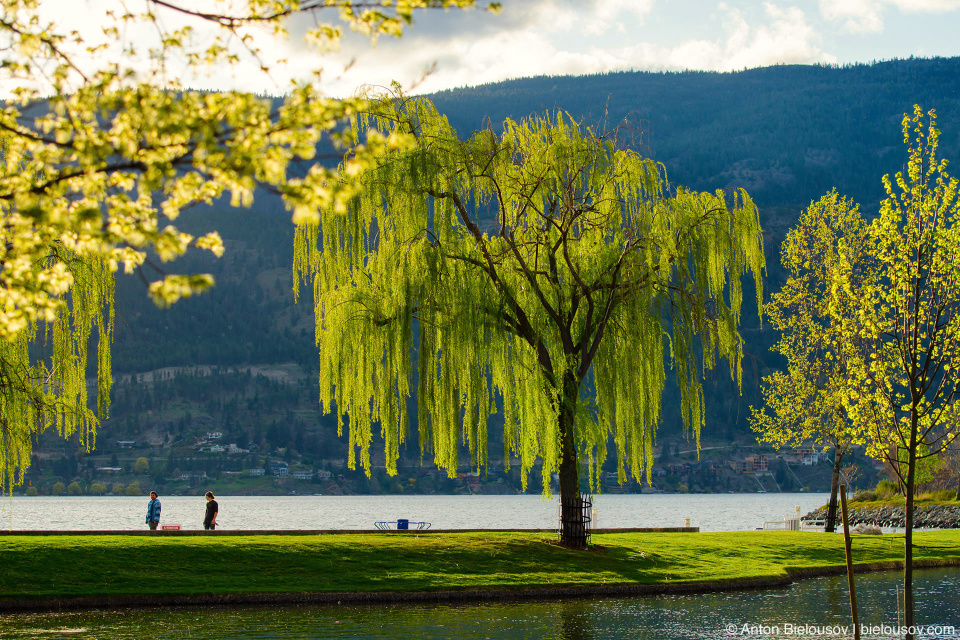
pixel 114 570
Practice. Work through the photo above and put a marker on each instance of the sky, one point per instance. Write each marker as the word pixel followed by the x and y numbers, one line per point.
pixel 576 37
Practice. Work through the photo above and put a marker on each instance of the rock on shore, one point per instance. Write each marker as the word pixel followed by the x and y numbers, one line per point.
pixel 938 516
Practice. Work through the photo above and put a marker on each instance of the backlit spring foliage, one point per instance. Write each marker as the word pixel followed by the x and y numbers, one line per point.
pixel 909 313
pixel 871 321
pixel 543 268
pixel 807 402
pixel 102 147
pixel 906 382
pixel 43 367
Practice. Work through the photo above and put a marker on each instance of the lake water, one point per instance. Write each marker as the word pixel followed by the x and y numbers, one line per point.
pixel 810 609
pixel 710 512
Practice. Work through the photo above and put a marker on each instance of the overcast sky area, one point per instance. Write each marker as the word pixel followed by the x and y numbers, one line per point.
pixel 576 37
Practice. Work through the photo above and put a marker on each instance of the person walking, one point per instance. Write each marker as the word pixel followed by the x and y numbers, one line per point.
pixel 153 511
pixel 210 517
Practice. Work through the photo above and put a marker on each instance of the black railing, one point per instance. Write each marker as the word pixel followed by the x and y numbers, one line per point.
pixel 575 517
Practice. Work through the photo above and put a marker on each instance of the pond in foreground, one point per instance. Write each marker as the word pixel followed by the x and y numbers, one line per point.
pixel 813 608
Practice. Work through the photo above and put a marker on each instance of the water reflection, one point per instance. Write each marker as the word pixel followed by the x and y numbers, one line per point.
pixel 808 609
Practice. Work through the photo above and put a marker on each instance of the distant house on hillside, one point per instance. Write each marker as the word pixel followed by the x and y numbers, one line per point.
pixel 303 475
pixel 740 466
pixel 259 471
pixel 126 444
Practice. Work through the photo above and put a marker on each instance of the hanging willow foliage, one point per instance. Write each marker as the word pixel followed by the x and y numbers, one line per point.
pixel 43 368
pixel 528 267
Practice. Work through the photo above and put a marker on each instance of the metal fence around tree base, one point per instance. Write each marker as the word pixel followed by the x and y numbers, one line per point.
pixel 574 520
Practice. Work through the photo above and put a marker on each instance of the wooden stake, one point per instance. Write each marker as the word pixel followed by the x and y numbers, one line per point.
pixel 846 546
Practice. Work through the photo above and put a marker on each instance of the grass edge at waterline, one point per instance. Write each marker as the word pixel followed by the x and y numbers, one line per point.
pixel 53 572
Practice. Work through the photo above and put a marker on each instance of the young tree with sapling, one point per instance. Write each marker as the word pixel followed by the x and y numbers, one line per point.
pixel 905 382
pixel 544 266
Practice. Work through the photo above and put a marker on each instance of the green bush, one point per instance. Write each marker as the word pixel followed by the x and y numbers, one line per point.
pixel 58 488
pixel 32 491
pixel 944 494
pixel 864 496
pixel 74 488
pixel 886 489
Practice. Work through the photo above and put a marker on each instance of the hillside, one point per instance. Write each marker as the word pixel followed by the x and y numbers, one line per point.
pixel 787 134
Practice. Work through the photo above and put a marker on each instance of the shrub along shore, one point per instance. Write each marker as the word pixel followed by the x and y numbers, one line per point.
pixel 74 571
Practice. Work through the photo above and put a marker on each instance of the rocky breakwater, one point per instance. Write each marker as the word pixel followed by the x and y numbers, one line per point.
pixel 936 516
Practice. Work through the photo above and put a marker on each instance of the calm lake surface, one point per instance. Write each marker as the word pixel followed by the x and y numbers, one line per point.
pixel 710 512
pixel 810 609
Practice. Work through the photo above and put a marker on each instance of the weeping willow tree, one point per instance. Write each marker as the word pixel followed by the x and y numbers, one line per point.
pixel 544 267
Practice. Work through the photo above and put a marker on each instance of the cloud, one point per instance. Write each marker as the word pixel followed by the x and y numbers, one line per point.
pixel 599 16
pixel 866 16
pixel 528 47
pixel 785 38
pixel 526 38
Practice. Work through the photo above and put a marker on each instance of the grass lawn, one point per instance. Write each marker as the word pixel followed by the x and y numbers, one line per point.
pixel 39 567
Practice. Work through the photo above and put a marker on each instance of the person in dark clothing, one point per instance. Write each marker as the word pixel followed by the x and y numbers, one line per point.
pixel 210 518
pixel 153 511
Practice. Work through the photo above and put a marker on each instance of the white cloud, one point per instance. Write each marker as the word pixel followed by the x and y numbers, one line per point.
pixel 924 6
pixel 785 38
pixel 599 16
pixel 866 16
pixel 547 37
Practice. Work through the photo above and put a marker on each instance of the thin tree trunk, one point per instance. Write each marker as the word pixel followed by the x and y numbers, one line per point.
pixel 571 529
pixel 830 525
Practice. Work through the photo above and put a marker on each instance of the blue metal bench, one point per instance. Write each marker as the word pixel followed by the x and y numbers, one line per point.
pixel 402 524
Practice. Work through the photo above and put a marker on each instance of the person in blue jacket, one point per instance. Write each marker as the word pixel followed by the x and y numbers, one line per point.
pixel 153 511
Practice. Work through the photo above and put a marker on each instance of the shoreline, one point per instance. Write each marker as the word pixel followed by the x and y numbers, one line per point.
pixel 315 532
pixel 925 516
pixel 468 596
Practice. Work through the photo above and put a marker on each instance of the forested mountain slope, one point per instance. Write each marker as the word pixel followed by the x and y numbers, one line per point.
pixel 787 134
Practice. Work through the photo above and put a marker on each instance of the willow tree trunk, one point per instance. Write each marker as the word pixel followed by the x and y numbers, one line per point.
pixel 831 524
pixel 572 533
